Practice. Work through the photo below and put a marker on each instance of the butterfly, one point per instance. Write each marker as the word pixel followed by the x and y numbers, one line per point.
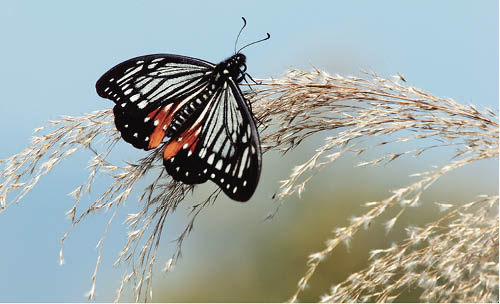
pixel 196 111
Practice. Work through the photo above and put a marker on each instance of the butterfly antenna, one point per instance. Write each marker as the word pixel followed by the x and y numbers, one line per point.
pixel 268 36
pixel 237 37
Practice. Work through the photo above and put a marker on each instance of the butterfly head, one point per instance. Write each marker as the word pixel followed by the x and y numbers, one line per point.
pixel 236 63
pixel 235 66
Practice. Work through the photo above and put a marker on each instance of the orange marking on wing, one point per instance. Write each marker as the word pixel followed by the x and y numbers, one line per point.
pixel 193 145
pixel 189 137
pixel 164 117
pixel 156 138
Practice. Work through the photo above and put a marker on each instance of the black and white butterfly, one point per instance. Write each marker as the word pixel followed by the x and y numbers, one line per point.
pixel 196 110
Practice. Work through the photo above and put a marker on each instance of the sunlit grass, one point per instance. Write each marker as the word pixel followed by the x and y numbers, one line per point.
pixel 454 258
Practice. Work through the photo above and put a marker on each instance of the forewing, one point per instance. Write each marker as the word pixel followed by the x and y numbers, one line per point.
pixel 221 145
pixel 144 86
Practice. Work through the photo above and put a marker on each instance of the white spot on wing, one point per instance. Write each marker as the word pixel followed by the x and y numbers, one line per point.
pixel 243 162
pixel 210 159
pixel 134 98
pixel 202 153
pixel 142 104
pixel 218 166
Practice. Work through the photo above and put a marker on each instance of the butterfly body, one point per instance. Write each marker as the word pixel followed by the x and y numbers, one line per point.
pixel 196 110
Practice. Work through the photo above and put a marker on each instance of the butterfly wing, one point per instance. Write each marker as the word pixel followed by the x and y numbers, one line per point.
pixel 142 85
pixel 219 141
pixel 221 145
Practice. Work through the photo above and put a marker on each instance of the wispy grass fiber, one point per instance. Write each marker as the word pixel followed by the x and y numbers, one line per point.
pixel 452 259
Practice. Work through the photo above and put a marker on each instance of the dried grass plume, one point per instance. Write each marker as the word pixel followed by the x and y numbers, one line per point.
pixel 453 259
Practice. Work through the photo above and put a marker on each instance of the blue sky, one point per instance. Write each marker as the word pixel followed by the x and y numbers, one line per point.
pixel 53 52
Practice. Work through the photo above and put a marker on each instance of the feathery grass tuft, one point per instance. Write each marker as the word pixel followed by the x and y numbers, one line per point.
pixel 388 111
pixel 452 259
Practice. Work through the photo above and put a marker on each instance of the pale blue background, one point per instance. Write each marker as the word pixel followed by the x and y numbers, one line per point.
pixel 52 52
